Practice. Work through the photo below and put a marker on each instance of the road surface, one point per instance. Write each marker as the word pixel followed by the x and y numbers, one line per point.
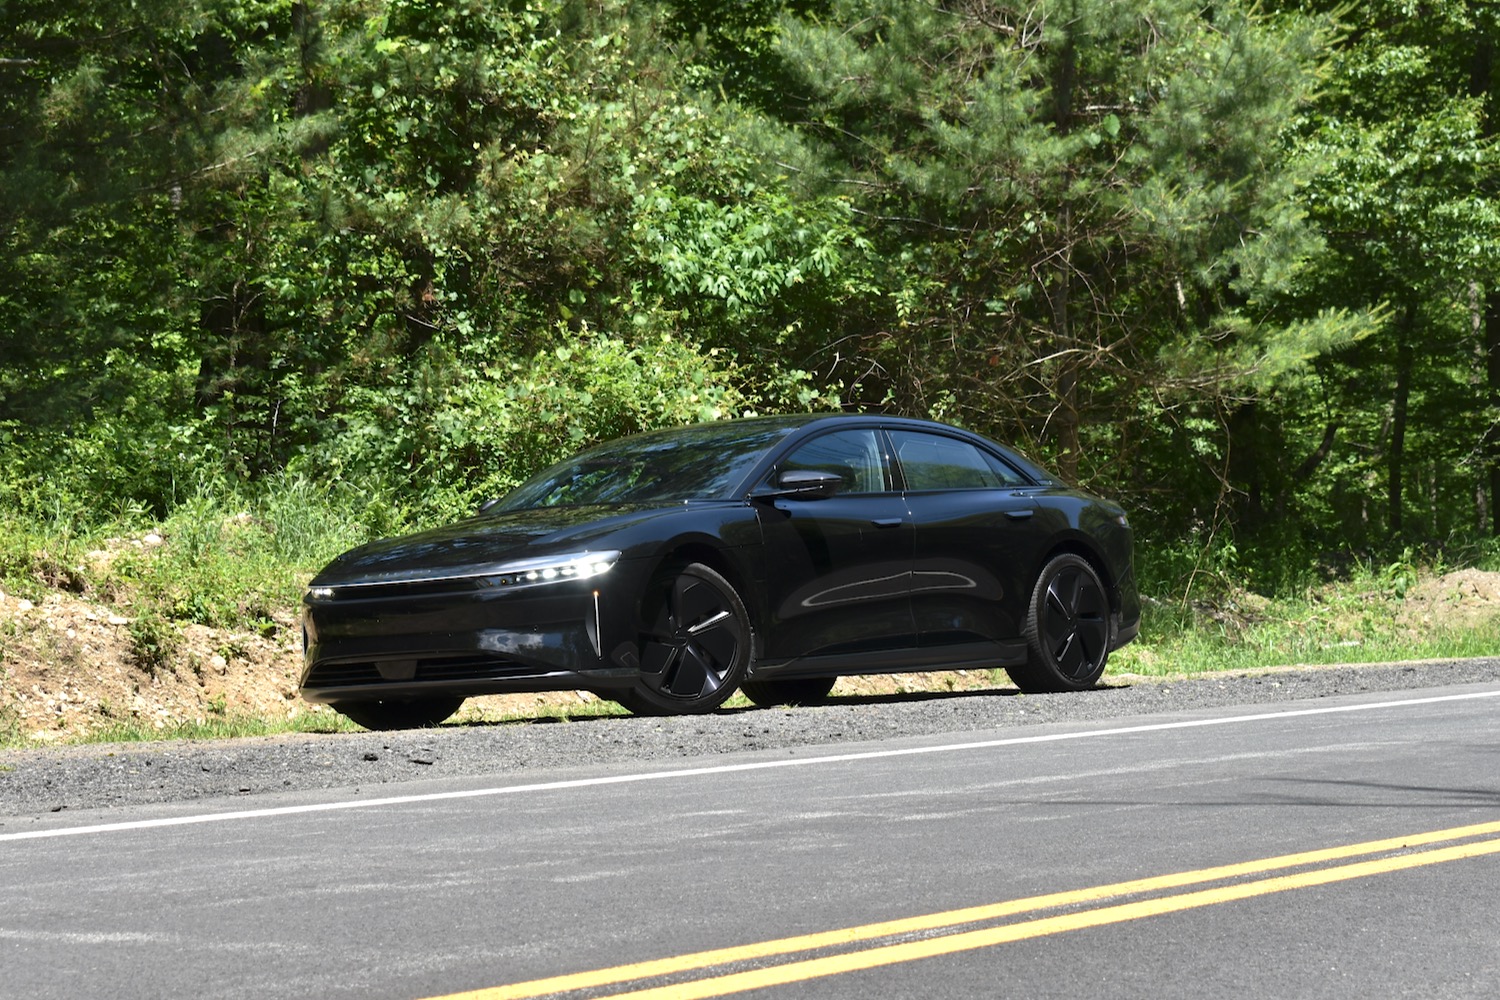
pixel 1335 847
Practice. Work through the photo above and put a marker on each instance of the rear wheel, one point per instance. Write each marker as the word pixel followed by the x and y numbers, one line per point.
pixel 1067 629
pixel 400 713
pixel 799 691
pixel 698 647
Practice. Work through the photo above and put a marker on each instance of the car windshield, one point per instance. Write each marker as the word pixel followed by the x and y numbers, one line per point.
pixel 692 463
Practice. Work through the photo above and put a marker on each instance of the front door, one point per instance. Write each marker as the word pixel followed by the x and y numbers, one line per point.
pixel 838 574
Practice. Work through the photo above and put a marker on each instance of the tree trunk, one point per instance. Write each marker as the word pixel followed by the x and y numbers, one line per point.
pixel 1492 433
pixel 313 95
pixel 1066 415
pixel 1482 86
pixel 1399 407
pixel 1065 418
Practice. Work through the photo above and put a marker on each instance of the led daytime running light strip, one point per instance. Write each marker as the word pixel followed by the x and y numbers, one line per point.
pixel 518 573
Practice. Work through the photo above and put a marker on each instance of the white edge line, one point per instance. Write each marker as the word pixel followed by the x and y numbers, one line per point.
pixel 621 779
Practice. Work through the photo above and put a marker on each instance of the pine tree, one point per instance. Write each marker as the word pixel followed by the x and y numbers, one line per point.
pixel 1082 203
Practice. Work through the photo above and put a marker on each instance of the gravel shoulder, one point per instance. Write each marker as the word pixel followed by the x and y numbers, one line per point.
pixel 35 782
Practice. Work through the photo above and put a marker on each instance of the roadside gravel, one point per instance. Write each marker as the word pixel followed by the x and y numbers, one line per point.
pixel 36 782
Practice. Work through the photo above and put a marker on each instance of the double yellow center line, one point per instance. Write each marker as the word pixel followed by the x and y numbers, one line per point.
pixel 934 934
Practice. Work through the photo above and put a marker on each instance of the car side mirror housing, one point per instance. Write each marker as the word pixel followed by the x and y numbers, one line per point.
pixel 803 484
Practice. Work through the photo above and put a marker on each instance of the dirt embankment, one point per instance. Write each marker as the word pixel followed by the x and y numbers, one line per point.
pixel 1465 599
pixel 69 666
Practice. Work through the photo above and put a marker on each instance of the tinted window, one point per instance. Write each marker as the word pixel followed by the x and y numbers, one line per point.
pixel 935 462
pixel 853 454
pixel 688 464
pixel 1008 476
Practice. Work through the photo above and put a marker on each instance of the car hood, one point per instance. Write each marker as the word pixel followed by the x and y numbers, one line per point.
pixel 485 541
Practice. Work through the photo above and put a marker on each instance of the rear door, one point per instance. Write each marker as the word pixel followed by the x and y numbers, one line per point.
pixel 977 541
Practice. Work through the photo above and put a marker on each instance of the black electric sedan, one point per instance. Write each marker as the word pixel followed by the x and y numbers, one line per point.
pixel 768 555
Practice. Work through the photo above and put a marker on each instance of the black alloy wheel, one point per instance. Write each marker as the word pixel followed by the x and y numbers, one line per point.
pixel 1067 629
pixel 793 691
pixel 698 648
pixel 400 713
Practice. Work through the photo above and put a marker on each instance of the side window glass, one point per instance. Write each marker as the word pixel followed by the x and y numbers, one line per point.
pixel 934 462
pixel 1007 475
pixel 854 455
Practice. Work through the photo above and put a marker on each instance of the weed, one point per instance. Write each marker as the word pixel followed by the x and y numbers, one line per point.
pixel 10 718
pixel 153 640
pixel 230 650
pixel 10 727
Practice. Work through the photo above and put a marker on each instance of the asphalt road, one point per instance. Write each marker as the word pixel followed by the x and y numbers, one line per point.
pixel 427 887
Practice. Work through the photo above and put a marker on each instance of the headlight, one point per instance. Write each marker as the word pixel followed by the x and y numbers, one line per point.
pixel 552 569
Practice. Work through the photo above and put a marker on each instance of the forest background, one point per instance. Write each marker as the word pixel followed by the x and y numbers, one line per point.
pixel 348 267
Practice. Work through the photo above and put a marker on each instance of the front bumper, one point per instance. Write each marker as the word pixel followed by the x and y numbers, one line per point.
pixel 466 637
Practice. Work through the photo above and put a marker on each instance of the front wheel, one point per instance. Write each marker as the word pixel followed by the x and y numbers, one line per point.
pixel 1067 629
pixel 798 691
pixel 400 713
pixel 698 647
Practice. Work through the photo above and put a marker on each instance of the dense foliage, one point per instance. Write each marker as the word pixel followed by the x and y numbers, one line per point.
pixel 1236 263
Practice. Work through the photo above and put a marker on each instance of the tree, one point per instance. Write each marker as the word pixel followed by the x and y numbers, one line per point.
pixel 1082 207
pixel 105 107
pixel 1404 128
pixel 337 232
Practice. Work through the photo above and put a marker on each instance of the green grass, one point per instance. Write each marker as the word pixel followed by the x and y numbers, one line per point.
pixel 216 728
pixel 1195 652
pixel 223 557
pixel 238 726
pixel 231 561
pixel 1356 620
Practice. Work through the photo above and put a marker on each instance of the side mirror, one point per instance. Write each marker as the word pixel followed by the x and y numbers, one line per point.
pixel 487 505
pixel 803 484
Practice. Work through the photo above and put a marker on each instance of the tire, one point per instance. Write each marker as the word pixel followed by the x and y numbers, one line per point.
pixel 401 713
pixel 698 647
pixel 1067 629
pixel 801 691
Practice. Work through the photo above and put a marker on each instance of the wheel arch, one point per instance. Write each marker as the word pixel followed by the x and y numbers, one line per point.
pixel 676 647
pixel 1078 546
pixel 717 558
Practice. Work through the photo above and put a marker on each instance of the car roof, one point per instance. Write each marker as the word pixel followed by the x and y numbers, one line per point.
pixel 809 424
